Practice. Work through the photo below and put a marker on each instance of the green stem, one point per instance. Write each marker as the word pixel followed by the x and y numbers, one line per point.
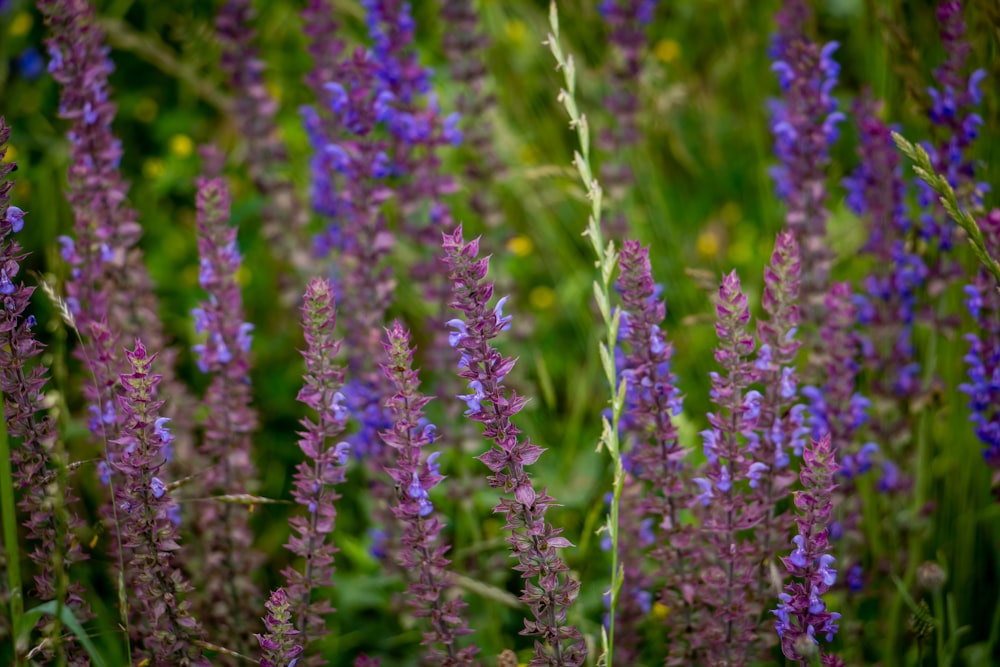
pixel 607 262
pixel 10 540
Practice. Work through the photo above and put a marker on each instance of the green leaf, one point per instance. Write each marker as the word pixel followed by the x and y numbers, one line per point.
pixel 68 619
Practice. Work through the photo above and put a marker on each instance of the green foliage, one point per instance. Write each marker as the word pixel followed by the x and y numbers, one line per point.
pixel 703 201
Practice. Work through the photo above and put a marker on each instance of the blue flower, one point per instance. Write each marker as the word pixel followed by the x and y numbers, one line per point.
pixel 15 216
pixel 473 400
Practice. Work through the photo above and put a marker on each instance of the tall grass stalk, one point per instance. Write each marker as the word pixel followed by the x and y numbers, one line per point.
pixel 10 540
pixel 607 262
pixel 939 183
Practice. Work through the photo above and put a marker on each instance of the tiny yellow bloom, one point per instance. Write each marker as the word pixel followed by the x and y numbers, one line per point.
pixel 542 298
pixel 181 145
pixel 660 611
pixel 153 168
pixel 708 243
pixel 520 245
pixel 93 541
pixel 21 25
pixel 667 50
pixel 11 154
pixel 144 662
pixel 515 30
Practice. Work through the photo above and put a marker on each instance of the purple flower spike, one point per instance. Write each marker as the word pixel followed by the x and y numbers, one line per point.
pixel 317 477
pixel 280 645
pixel 801 612
pixel 23 380
pixel 982 361
pixel 652 400
pixel 804 124
pixel 732 447
pixel 230 421
pixel 626 21
pixel 151 570
pixel 549 590
pixel 284 215
pixel 109 288
pixel 423 551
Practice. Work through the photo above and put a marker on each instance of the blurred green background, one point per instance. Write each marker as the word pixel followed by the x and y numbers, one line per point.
pixel 703 201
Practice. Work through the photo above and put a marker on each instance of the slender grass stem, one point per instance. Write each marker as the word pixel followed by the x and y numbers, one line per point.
pixel 10 540
pixel 607 263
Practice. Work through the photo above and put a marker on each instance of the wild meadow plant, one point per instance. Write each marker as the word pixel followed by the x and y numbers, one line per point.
pixel 821 491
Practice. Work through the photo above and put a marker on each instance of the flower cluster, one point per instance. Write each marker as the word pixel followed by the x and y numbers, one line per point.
pixel 37 461
pixel 109 290
pixel 888 307
pixel 955 125
pixel 284 216
pixel 465 43
pixel 952 112
pixel 549 590
pixel 149 536
pixel 730 464
pixel 837 407
pixel 652 401
pixel 804 124
pixel 317 477
pixel 423 554
pixel 626 20
pixel 802 614
pixel 279 645
pixel 983 358
pixel 781 427
pixel 230 421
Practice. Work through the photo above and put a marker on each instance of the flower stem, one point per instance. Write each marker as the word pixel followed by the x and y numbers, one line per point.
pixel 9 517
pixel 607 262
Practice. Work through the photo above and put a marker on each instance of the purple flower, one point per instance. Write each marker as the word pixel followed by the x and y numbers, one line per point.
pixel 284 215
pixel 34 466
pixel 230 421
pixel 15 217
pixel 801 611
pixel 156 584
pixel 280 645
pixel 422 555
pixel 549 590
pixel 626 22
pixel 804 124
pixel 317 477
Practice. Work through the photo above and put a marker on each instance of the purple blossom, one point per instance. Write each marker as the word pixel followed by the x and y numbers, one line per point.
pixel 50 526
pixel 955 127
pixel 652 401
pixel 149 539
pixel 229 423
pixel 801 611
pixel 731 448
pixel 626 21
pixel 280 644
pixel 804 124
pixel 549 590
pixel 317 477
pixel 982 361
pixel 284 215
pixel 423 554
pixel 888 308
